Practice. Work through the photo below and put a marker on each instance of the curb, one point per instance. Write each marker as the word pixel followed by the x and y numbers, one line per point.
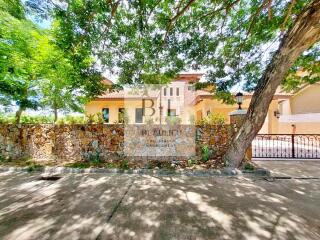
pixel 259 172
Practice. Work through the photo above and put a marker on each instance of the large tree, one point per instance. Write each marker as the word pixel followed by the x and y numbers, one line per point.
pixel 234 40
pixel 18 78
pixel 35 71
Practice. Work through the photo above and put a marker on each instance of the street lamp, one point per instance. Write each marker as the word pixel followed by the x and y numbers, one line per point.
pixel 239 98
pixel 277 113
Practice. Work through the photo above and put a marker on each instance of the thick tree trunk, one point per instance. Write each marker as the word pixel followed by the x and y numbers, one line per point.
pixel 300 37
pixel 18 115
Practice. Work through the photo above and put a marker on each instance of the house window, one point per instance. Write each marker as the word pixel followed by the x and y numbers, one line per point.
pixel 105 115
pixel 172 112
pixel 171 91
pixel 139 115
pixel 165 92
pixel 177 91
pixel 121 115
pixel 208 112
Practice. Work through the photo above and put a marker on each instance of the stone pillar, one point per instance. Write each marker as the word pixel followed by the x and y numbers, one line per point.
pixel 236 119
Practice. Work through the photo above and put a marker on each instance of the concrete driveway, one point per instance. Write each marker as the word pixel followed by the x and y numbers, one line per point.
pixel 121 206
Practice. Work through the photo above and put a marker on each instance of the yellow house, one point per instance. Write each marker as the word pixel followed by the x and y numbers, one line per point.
pixel 300 112
pixel 287 113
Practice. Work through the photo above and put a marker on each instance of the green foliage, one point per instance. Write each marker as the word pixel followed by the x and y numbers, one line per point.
pixel 37 71
pixel 173 120
pixel 80 165
pixel 110 165
pixel 123 117
pixel 212 119
pixel 124 164
pixel 36 119
pixel 32 166
pixel 205 153
pixel 248 166
pixel 94 118
pixel 191 162
pixel 234 40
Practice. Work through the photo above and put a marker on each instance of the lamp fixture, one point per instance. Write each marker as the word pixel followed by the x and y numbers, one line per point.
pixel 239 98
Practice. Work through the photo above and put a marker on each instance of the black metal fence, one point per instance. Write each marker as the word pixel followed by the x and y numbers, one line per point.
pixel 303 146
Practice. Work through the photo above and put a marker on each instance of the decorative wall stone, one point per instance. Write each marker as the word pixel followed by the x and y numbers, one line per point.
pixel 69 143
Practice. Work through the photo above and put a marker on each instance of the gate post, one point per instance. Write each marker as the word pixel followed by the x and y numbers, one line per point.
pixel 292 146
pixel 236 119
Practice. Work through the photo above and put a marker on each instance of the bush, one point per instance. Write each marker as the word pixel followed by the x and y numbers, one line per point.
pixel 205 153
pixel 212 119
pixel 172 120
pixel 124 164
pixel 6 119
pixel 248 166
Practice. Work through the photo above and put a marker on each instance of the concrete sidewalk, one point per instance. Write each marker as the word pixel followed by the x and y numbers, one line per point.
pixel 292 168
pixel 122 206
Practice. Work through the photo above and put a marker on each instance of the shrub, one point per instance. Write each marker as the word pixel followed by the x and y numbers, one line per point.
pixel 124 164
pixel 248 166
pixel 205 153
pixel 212 119
pixel 78 165
pixel 36 119
pixel 98 118
pixel 6 119
pixel 192 162
pixel 149 121
pixel 172 120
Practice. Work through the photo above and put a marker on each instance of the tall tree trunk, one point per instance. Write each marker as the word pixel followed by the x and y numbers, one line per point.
pixel 55 110
pixel 18 115
pixel 301 36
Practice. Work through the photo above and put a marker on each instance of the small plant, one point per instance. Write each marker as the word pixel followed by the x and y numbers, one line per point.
pixel 124 164
pixel 192 119
pixel 123 117
pixel 90 118
pixel 212 119
pixel 205 153
pixel 95 158
pixel 78 165
pixel 32 166
pixel 191 162
pixel 149 121
pixel 98 118
pixel 173 120
pixel 248 166
pixel 110 165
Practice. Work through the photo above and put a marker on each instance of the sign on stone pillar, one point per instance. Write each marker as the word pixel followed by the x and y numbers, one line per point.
pixel 236 119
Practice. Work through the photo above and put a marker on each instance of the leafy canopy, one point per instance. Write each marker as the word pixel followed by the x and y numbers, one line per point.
pixel 151 41
pixel 37 72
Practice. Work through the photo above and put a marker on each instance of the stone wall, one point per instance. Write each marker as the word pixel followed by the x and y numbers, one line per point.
pixel 68 143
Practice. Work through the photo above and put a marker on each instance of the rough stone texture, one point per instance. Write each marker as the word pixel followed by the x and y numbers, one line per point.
pixel 68 143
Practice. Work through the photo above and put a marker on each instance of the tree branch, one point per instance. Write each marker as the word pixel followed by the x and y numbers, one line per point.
pixel 293 2
pixel 175 18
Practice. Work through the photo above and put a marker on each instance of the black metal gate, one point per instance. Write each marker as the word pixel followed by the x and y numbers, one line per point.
pixel 302 146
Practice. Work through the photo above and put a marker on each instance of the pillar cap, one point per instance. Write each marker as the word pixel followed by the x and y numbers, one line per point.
pixel 238 112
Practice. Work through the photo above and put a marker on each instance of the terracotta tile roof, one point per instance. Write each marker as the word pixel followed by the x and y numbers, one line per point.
pixel 189 77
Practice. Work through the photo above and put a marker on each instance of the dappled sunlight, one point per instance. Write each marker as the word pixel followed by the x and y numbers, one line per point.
pixel 120 206
pixel 219 216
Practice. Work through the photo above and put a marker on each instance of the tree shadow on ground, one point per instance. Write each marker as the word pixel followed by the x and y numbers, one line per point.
pixel 157 207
